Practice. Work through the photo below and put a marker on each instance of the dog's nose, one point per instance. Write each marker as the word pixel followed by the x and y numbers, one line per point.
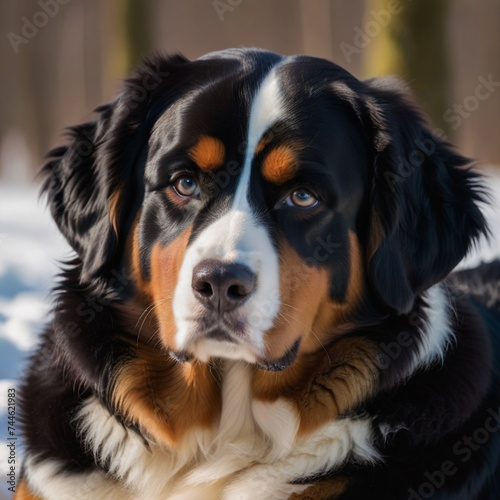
pixel 222 286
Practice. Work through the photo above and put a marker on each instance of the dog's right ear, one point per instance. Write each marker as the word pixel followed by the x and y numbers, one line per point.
pixel 76 195
pixel 88 180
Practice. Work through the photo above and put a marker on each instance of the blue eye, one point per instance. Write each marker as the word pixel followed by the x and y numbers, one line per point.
pixel 186 186
pixel 301 198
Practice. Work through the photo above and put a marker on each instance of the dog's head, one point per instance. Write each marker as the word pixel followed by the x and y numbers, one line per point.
pixel 260 202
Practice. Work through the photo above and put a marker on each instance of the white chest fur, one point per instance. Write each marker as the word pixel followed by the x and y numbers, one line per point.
pixel 253 453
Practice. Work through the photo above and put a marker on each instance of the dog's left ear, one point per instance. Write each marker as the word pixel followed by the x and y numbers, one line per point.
pixel 424 212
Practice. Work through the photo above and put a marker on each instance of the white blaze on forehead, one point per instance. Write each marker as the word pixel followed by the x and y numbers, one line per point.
pixel 266 109
pixel 236 237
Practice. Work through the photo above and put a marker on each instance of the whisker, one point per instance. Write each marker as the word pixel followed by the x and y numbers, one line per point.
pixel 147 312
pixel 282 313
pixel 142 314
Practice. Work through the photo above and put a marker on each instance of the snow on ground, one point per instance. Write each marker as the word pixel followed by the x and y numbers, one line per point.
pixel 488 250
pixel 30 247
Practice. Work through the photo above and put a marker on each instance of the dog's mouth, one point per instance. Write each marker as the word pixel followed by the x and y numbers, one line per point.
pixel 283 362
pixel 226 340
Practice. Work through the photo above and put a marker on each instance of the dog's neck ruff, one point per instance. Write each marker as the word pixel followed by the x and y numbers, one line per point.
pixel 254 450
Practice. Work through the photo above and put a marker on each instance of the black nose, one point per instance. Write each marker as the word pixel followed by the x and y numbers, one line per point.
pixel 222 286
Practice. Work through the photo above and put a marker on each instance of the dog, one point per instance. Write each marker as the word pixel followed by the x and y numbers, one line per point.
pixel 260 303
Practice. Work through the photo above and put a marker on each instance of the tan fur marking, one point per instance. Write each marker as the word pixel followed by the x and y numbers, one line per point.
pixel 165 266
pixel 357 275
pixel 208 153
pixel 302 289
pixel 134 259
pixel 324 384
pixel 329 489
pixel 135 252
pixel 376 235
pixel 339 315
pixel 332 373
pixel 280 165
pixel 165 398
pixel 266 138
pixel 138 312
pixel 115 203
pixel 307 310
pixel 24 493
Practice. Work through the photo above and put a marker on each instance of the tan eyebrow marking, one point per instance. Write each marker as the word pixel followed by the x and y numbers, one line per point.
pixel 208 153
pixel 280 164
pixel 265 140
pixel 115 205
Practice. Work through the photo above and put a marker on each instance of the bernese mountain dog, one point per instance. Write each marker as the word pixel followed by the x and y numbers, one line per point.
pixel 260 305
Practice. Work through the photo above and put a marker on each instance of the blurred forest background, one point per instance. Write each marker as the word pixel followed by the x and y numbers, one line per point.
pixel 61 58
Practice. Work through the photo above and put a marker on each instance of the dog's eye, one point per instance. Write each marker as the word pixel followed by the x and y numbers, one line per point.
pixel 186 186
pixel 301 198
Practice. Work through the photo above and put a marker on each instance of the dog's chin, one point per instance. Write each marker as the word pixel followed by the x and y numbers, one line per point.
pixel 206 349
pixel 216 347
